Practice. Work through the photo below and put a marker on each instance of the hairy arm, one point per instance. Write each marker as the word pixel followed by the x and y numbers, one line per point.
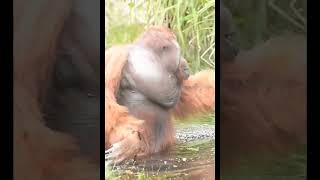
pixel 197 96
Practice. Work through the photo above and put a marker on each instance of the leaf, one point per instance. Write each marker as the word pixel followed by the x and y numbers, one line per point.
pixel 131 5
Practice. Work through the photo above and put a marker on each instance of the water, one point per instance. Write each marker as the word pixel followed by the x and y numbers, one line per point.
pixel 191 158
pixel 292 166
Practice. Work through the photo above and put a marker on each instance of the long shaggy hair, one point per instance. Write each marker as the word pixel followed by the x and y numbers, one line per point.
pixel 40 152
pixel 197 96
pixel 263 100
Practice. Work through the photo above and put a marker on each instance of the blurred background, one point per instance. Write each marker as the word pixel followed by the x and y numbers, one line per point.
pixel 257 21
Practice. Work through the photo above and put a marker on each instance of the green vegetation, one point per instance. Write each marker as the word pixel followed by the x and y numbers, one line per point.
pixel 192 21
pixel 203 119
pixel 143 175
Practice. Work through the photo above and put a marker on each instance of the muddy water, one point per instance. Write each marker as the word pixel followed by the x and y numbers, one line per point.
pixel 191 158
pixel 291 166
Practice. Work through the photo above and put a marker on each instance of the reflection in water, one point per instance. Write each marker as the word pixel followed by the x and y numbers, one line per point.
pixel 291 166
pixel 184 161
pixel 191 158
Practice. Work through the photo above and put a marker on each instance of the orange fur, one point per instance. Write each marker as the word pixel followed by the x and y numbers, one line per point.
pixel 197 96
pixel 39 152
pixel 123 128
pixel 263 100
pixel 118 120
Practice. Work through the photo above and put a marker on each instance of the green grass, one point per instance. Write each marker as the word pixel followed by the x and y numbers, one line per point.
pixel 192 21
pixel 202 119
pixel 122 34
pixel 112 174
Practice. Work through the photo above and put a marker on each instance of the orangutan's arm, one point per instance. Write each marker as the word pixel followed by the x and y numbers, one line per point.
pixel 197 96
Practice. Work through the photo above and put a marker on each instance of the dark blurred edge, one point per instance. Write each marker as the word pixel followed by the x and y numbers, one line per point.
pixel 102 86
pixel 7 87
pixel 217 90
pixel 7 96
pixel 313 91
